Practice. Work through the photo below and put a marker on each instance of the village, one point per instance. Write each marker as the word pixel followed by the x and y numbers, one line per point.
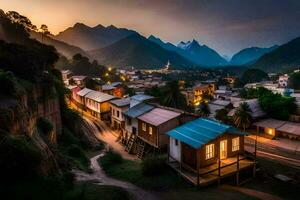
pixel 201 148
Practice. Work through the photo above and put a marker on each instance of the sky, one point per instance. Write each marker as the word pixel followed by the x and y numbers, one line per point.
pixel 224 25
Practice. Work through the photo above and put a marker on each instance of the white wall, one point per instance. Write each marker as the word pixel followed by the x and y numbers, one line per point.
pixel 175 151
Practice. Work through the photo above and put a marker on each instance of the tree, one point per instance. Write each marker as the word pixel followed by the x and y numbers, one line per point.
pixel 242 116
pixel 172 96
pixel 294 81
pixel 204 109
pixel 253 75
pixel 221 115
pixel 44 31
pixel 15 17
pixel 277 106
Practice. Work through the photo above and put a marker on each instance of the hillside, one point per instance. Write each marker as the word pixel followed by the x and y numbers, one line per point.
pixel 62 47
pixel 137 51
pixel 285 57
pixel 90 38
pixel 250 55
pixel 193 51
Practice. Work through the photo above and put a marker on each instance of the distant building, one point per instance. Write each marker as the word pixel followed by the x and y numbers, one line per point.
pixel 195 95
pixel 117 107
pixel 283 80
pixel 78 80
pixel 66 75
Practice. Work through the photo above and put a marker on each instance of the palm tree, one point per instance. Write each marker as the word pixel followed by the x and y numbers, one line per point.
pixel 172 96
pixel 242 116
pixel 204 109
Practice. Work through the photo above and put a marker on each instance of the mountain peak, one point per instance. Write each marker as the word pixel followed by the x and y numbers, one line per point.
pixel 99 26
pixel 111 27
pixel 80 25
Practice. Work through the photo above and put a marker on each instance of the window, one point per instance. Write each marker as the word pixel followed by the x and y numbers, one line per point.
pixel 150 130
pixel 144 126
pixel 128 121
pixel 176 142
pixel 209 151
pixel 118 113
pixel 236 144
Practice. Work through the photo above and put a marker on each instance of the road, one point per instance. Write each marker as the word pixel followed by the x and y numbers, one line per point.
pixel 272 153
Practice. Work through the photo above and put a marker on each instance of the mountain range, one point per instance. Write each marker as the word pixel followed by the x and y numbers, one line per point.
pixel 199 54
pixel 90 38
pixel 136 50
pixel 121 47
pixel 250 55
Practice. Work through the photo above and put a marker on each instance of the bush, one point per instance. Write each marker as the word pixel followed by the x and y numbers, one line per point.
pixel 154 165
pixel 111 158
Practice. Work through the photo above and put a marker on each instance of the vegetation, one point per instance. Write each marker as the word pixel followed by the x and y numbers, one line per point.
pixel 251 76
pixel 111 158
pixel 154 165
pixel 169 95
pixel 242 116
pixel 221 115
pixel 45 125
pixel 277 106
pixel 294 81
pixel 132 172
pixel 204 109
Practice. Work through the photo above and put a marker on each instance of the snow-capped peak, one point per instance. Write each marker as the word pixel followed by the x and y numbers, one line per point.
pixel 184 45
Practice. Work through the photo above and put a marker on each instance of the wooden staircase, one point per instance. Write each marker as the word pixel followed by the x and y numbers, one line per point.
pixel 130 143
pixel 141 149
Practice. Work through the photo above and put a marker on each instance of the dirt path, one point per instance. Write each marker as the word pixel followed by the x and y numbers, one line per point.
pixel 253 193
pixel 99 177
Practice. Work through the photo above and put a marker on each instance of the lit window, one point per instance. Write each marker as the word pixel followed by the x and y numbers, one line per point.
pixel 144 127
pixel 150 130
pixel 235 144
pixel 209 151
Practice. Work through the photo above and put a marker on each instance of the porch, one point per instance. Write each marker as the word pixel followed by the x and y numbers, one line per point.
pixel 215 172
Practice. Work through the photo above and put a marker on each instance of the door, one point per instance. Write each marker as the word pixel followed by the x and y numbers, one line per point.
pixel 223 149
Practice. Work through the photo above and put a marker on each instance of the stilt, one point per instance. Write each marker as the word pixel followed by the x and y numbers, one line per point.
pixel 219 171
pixel 238 170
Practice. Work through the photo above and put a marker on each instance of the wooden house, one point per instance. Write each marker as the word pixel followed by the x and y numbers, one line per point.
pixel 80 97
pixel 204 151
pixel 117 107
pixel 153 126
pixel 97 103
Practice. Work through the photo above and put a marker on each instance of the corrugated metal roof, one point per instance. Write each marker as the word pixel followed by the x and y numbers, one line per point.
pixel 290 127
pixel 83 92
pixel 269 123
pixel 201 131
pixel 138 110
pixel 99 96
pixel 141 97
pixel 254 106
pixel 107 87
pixel 121 102
pixel 158 116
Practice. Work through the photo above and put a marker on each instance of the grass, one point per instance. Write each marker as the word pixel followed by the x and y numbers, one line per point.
pixel 266 182
pixel 90 191
pixel 131 171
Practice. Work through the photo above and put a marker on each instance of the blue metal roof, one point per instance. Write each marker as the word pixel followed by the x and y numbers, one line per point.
pixel 201 131
pixel 138 110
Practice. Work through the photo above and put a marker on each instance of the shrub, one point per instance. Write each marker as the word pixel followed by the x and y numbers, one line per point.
pixel 111 158
pixel 153 165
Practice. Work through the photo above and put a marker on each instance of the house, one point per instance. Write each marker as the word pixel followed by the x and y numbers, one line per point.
pixel 139 98
pixel 80 97
pixel 204 151
pixel 117 107
pixel 153 125
pixel 195 95
pixel 216 105
pixel 78 80
pixel 283 80
pixel 66 75
pixel 97 103
pixel 114 89
pixel 131 121
pixel 271 128
pixel 256 110
pixel 73 90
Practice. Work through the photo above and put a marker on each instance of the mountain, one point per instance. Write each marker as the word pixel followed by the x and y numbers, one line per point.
pixel 285 57
pixel 136 50
pixel 202 54
pixel 65 49
pixel 90 38
pixel 250 55
pixel 191 50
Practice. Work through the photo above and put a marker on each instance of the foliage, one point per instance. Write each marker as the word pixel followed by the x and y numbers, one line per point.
pixel 222 116
pixel 9 84
pixel 154 165
pixel 204 109
pixel 129 91
pixel 91 84
pixel 242 116
pixel 111 158
pixel 20 159
pixel 294 81
pixel 277 106
pixel 253 93
pixel 252 76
